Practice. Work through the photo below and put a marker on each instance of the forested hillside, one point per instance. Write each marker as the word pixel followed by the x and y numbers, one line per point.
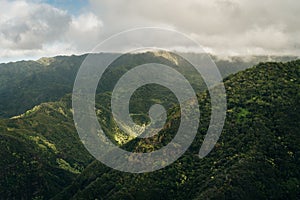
pixel 25 84
pixel 256 157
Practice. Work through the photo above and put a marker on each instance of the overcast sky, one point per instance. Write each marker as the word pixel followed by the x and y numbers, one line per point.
pixel 30 29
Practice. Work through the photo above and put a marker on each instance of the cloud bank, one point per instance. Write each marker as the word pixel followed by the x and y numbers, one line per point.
pixel 229 27
pixel 35 29
pixel 222 26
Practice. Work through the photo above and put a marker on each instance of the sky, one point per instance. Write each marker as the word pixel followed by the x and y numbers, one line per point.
pixel 30 29
pixel 72 6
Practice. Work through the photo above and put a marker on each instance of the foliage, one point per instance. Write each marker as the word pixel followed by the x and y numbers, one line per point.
pixel 256 157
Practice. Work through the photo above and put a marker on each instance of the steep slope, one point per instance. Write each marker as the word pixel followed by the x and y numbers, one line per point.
pixel 36 82
pixel 40 152
pixel 256 157
pixel 26 84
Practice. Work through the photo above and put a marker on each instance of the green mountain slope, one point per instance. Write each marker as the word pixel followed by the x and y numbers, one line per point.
pixel 40 152
pixel 26 84
pixel 257 156
pixel 33 83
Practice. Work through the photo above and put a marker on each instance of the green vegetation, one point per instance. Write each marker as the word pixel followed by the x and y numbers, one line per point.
pixel 40 152
pixel 256 157
pixel 29 83
pixel 26 84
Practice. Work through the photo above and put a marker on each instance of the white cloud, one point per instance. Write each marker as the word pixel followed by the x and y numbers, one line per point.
pixel 223 26
pixel 30 28
pixel 34 29
pixel 84 31
pixel 26 26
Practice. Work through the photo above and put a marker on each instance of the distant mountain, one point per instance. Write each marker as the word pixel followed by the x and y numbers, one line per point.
pixel 26 84
pixel 29 83
pixel 256 157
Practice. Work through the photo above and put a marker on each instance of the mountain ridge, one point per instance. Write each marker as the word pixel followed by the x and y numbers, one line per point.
pixel 256 156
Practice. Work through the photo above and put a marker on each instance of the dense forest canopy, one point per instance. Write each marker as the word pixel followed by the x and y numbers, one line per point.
pixel 256 157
